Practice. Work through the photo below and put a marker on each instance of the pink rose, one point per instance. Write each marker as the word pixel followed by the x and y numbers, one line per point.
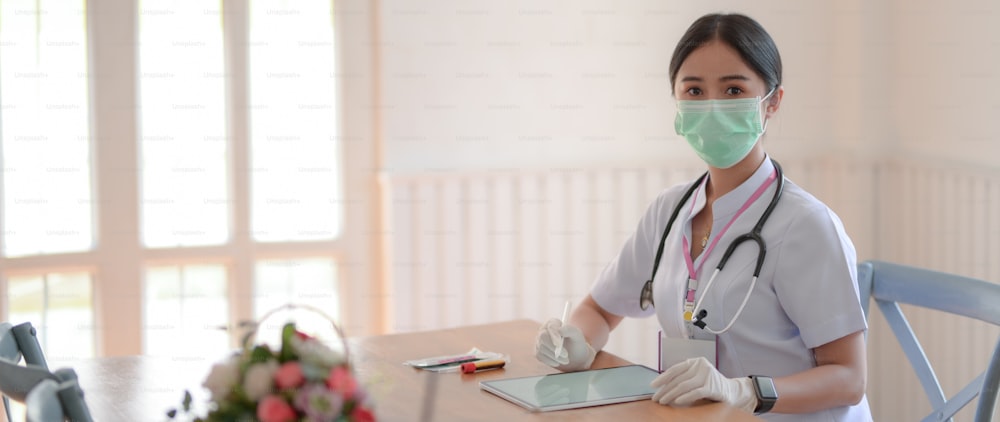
pixel 289 375
pixel 342 381
pixel 274 409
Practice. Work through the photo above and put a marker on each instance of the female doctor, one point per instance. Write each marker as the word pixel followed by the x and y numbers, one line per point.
pixel 776 328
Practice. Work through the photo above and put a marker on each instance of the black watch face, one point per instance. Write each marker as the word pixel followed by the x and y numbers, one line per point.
pixel 766 387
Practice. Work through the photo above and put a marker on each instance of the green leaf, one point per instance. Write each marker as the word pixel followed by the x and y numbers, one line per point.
pixel 287 332
pixel 259 354
pixel 234 412
pixel 186 402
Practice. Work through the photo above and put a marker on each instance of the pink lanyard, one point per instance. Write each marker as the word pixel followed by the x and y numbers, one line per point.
pixel 692 284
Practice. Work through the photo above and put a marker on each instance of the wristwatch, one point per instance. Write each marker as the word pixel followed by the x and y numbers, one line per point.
pixel 766 394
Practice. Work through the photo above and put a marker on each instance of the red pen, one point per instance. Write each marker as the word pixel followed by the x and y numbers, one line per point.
pixel 470 367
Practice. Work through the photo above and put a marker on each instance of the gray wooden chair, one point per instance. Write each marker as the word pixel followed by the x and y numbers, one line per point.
pixel 44 393
pixel 891 284
pixel 17 341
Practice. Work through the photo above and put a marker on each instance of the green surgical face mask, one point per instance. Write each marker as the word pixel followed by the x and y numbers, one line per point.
pixel 722 132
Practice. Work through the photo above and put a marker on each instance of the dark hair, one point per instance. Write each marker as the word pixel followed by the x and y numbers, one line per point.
pixel 741 33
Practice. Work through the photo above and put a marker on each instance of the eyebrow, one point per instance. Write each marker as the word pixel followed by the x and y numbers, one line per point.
pixel 736 77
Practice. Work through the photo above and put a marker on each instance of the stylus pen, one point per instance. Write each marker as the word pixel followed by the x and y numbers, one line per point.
pixel 470 367
pixel 565 316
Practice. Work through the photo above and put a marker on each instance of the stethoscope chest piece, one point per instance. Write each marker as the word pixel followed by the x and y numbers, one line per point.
pixel 646 296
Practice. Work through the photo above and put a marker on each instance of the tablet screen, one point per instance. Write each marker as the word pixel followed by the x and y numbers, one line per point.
pixel 570 390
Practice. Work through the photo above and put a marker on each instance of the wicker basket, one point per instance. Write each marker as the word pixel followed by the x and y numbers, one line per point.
pixel 272 320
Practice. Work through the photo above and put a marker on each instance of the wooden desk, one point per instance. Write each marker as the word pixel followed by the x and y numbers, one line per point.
pixel 142 388
pixel 399 389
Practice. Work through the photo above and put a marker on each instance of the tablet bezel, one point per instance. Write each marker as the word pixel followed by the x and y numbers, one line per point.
pixel 489 387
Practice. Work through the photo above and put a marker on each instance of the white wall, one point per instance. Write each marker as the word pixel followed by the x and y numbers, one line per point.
pixel 566 84
pixel 479 84
pixel 944 82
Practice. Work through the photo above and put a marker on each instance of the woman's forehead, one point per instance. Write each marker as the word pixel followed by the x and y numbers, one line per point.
pixel 715 60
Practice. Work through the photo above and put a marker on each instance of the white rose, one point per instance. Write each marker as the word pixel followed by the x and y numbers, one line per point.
pixel 259 380
pixel 222 378
pixel 314 352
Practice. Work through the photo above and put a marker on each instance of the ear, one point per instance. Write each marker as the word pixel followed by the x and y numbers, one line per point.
pixel 774 102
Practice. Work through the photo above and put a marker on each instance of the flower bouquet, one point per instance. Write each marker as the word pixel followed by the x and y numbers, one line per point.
pixel 302 380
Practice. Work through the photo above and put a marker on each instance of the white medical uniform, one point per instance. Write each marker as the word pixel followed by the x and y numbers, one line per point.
pixel 806 295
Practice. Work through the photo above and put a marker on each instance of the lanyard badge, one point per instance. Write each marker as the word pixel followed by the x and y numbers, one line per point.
pixel 677 350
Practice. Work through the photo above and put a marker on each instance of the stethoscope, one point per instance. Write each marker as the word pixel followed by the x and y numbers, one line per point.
pixel 646 296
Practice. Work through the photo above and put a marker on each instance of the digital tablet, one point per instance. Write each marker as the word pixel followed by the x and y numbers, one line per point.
pixel 571 390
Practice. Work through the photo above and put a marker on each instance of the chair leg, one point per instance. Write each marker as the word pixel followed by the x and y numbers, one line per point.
pixel 71 397
pixel 991 387
pixel 6 408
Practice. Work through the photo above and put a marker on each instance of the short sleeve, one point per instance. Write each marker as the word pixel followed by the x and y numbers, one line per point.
pixel 618 286
pixel 816 278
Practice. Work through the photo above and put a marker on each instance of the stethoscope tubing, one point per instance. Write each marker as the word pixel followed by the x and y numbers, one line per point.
pixel 646 295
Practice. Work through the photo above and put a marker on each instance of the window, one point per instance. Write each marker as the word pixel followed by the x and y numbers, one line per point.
pixel 58 305
pixel 186 305
pixel 184 166
pixel 310 282
pixel 227 201
pixel 44 128
pixel 45 183
pixel 294 171
pixel 295 179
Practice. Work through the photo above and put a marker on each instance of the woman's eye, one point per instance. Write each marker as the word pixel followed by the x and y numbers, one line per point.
pixel 694 92
pixel 734 91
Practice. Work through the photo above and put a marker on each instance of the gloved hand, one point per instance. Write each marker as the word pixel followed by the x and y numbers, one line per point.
pixel 576 352
pixel 694 379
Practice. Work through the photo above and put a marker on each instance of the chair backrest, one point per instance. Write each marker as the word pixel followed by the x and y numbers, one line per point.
pixel 21 340
pixel 891 284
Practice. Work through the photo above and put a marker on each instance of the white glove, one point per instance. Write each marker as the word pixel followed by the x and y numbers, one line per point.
pixel 576 352
pixel 694 379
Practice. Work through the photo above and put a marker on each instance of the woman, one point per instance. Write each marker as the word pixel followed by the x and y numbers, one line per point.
pixel 790 342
